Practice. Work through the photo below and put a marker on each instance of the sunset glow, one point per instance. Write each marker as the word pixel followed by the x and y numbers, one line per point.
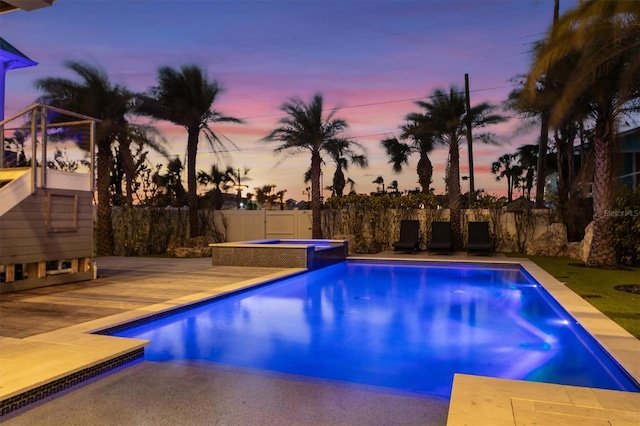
pixel 370 59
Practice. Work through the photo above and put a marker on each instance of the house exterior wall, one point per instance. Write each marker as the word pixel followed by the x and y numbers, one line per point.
pixel 47 239
pixel 629 152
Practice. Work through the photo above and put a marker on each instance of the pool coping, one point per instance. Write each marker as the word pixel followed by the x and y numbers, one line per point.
pixel 31 363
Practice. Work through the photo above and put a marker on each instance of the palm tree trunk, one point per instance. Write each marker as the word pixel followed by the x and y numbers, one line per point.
pixel 116 176
pixel 192 196
pixel 542 158
pixel 338 181
pixel 316 219
pixel 105 227
pixel 425 172
pixel 129 171
pixel 454 193
pixel 602 252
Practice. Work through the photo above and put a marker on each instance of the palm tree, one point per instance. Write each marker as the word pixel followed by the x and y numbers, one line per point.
pixel 528 161
pixel 419 142
pixel 342 152
pixel 174 193
pixel 141 136
pixel 445 119
pixel 304 129
pixel 97 97
pixel 507 169
pixel 249 196
pixel 264 197
pixel 218 178
pixel 604 36
pixel 393 187
pixel 379 181
pixel 280 197
pixel 352 185
pixel 185 97
pixel 537 106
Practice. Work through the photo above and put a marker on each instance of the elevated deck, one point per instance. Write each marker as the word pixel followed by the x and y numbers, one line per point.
pixel 46 228
pixel 46 214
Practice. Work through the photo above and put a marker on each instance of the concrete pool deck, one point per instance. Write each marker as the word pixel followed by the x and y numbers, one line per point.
pixel 43 336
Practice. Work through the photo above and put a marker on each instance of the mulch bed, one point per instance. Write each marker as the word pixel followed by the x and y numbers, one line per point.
pixel 629 288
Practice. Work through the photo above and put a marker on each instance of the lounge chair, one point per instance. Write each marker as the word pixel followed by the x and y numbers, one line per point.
pixel 440 237
pixel 479 241
pixel 409 236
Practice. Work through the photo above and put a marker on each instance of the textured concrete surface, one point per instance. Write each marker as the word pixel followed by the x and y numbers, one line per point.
pixel 166 394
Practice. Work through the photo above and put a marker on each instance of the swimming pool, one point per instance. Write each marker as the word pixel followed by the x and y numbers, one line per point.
pixel 407 327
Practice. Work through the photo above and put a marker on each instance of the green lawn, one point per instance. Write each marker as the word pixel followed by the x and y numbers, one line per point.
pixel 596 286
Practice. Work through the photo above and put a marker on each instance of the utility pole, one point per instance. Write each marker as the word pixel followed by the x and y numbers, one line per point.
pixel 239 187
pixel 472 190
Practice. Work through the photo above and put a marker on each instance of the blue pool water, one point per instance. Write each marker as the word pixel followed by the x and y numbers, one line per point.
pixel 407 327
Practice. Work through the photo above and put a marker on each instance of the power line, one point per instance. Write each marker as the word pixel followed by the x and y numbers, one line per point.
pixel 392 132
pixel 386 102
pixel 270 147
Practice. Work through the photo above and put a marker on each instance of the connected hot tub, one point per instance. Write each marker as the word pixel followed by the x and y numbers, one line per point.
pixel 309 254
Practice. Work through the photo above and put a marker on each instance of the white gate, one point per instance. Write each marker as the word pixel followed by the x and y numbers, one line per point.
pixel 248 225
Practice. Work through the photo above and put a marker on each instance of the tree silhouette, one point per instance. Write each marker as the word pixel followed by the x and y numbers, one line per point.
pixel 603 36
pixel 185 97
pixel 306 129
pixel 504 167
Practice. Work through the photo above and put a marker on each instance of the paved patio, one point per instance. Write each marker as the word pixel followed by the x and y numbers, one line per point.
pixel 43 334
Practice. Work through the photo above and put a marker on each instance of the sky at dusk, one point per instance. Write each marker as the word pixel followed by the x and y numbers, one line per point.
pixel 372 59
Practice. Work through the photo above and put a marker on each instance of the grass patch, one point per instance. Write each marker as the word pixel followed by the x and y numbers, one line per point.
pixel 596 286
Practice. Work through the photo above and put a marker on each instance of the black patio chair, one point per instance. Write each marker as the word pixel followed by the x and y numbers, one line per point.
pixel 478 239
pixel 409 236
pixel 440 237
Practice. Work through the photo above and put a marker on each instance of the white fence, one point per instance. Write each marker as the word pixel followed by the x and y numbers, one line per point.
pixel 247 225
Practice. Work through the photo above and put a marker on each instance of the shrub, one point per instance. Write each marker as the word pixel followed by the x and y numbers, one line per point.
pixel 626 226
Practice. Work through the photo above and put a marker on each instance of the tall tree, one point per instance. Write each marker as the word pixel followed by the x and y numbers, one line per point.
pixel 264 196
pixel 343 152
pixel 306 129
pixel 280 197
pixel 218 178
pixel 505 167
pixel 128 163
pixel 604 35
pixel 96 96
pixel 536 106
pixel 545 114
pixel 393 187
pixel 379 181
pixel 185 97
pixel 444 117
pixel 173 193
pixel 413 141
pixel 528 161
